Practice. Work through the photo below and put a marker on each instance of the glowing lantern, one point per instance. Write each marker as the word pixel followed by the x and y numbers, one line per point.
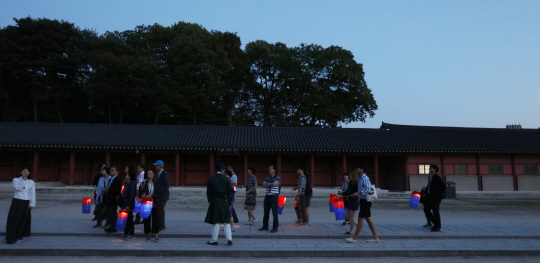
pixel 281 204
pixel 86 203
pixel 415 199
pixel 137 206
pixel 122 219
pixel 234 190
pixel 332 198
pixel 146 206
pixel 339 209
pixel 122 191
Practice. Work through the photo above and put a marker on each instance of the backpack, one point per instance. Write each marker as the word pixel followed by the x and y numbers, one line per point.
pixel 309 190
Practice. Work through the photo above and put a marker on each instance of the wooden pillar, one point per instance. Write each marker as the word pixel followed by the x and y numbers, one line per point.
pixel 480 188
pixel 183 170
pixel 71 168
pixel 108 158
pixel 278 164
pixel 177 170
pixel 312 168
pixel 407 183
pixel 443 172
pixel 344 163
pixel 35 167
pixel 514 175
pixel 143 158
pixel 245 170
pixel 376 165
pixel 212 169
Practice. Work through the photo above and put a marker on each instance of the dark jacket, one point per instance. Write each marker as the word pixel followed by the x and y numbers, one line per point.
pixel 143 189
pixel 437 188
pixel 129 195
pixel 164 180
pixel 115 190
pixel 219 192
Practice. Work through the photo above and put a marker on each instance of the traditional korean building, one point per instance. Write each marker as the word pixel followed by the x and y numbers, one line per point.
pixel 397 157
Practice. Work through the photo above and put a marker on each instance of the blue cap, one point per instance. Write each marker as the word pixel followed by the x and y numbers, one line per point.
pixel 159 162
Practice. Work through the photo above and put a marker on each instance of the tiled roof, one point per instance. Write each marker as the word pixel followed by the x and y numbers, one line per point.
pixel 389 138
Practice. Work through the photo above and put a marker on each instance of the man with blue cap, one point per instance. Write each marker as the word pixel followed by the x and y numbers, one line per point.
pixel 164 181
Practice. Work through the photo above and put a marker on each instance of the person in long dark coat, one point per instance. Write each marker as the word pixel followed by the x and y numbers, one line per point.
pixel 129 194
pixel 220 192
pixel 19 218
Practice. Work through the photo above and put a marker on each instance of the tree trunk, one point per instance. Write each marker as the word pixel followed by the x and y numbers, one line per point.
pixel 233 105
pixel 58 111
pixel 110 117
pixel 35 110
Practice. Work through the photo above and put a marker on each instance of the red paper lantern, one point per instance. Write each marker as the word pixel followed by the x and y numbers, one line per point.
pixel 339 209
pixel 281 200
pixel 332 197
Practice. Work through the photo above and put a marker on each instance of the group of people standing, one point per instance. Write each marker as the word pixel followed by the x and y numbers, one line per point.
pixel 112 192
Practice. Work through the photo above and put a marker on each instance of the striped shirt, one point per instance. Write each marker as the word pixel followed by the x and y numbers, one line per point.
pixel 364 187
pixel 302 184
pixel 270 180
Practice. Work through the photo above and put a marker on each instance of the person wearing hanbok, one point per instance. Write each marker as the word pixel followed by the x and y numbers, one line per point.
pixel 19 219
pixel 220 194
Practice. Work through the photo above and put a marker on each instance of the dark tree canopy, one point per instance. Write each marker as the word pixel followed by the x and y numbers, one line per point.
pixel 52 71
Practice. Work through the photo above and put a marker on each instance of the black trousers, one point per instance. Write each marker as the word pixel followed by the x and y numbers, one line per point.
pixel 130 226
pixel 19 221
pixel 152 223
pixel 98 211
pixel 161 211
pixel 270 202
pixel 112 216
pixel 233 213
pixel 435 217
pixel 302 207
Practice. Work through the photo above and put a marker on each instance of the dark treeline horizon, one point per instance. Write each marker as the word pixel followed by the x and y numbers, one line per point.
pixel 183 74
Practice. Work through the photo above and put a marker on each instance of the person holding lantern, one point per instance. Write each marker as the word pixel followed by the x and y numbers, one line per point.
pixel 151 188
pixel 113 188
pixel 351 201
pixel 219 192
pixel 141 177
pixel 129 203
pixel 19 219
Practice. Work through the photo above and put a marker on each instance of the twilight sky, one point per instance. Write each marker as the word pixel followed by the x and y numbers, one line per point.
pixel 442 63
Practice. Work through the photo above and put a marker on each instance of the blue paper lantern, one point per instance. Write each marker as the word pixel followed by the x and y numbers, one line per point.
pixel 146 207
pixel 339 209
pixel 122 220
pixel 415 199
pixel 86 205
pixel 137 207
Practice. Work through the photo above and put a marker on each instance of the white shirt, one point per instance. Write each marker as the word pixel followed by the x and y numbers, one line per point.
pixel 140 177
pixel 25 190
pixel 151 189
pixel 99 189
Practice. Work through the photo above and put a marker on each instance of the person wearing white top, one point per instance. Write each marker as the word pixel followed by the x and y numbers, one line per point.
pixel 19 217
